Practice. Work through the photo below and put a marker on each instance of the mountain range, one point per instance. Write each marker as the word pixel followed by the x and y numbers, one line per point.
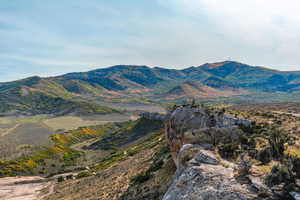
pixel 85 92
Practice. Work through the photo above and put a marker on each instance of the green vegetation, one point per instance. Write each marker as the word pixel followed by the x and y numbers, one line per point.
pixel 229 151
pixel 60 155
pixel 275 148
pixel 80 87
pixel 44 96
pixel 119 156
pixel 285 174
pixel 61 150
pixel 84 174
pixel 35 130
pixel 128 132
pixel 37 102
pixel 277 140
pixel 157 163
pixel 229 82
pixel 280 174
pixel 32 164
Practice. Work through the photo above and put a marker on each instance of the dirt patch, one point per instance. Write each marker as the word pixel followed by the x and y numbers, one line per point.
pixel 22 188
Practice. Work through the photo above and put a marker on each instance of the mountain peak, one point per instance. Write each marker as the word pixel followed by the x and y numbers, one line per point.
pixel 121 67
pixel 220 64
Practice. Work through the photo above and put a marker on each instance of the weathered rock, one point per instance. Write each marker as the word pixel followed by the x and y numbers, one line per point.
pixel 200 174
pixel 204 178
pixel 295 195
pixel 190 120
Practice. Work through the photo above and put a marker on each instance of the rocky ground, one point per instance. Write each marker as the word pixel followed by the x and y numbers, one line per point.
pixel 107 185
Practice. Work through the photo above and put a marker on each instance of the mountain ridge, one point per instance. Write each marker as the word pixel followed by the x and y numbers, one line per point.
pixel 139 82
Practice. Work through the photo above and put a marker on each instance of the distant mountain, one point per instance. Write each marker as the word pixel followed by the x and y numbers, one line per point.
pixel 249 77
pixel 128 83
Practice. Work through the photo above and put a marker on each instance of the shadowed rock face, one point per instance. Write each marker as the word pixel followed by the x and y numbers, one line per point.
pixel 200 174
pixel 153 116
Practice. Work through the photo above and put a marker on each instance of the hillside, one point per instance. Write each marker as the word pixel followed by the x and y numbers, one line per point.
pixel 76 148
pixel 35 95
pixel 193 89
pixel 251 77
pixel 79 92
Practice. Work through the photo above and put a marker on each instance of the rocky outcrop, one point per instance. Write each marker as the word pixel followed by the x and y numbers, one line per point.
pixel 185 123
pixel 201 175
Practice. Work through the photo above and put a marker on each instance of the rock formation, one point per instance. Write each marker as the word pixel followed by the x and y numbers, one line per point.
pixel 205 178
pixel 201 174
pixel 185 123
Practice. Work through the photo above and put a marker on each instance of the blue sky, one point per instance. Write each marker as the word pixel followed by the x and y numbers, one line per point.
pixel 48 38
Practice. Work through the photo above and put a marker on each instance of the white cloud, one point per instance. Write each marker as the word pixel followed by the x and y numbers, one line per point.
pixel 263 32
pixel 63 37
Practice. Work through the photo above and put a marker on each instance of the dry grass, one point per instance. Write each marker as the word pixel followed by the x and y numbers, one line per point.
pixel 73 122
pixel 109 185
pixel 293 151
pixel 69 122
pixel 263 170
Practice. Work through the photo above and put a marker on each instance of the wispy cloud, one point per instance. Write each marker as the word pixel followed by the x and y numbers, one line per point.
pixel 55 37
pixel 260 32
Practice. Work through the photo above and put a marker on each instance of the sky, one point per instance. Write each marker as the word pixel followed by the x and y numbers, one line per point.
pixel 53 37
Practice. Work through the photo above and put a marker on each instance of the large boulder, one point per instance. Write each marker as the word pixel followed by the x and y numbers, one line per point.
pixel 185 123
pixel 202 176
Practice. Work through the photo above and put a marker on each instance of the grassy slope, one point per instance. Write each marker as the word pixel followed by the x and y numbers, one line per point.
pixel 45 96
pixel 60 151
pixel 38 102
pixel 145 173
pixel 61 155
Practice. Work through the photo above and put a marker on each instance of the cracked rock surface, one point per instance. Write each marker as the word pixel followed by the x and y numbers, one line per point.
pixel 200 174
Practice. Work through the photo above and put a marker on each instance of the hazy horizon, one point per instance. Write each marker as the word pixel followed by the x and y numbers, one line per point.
pixel 48 38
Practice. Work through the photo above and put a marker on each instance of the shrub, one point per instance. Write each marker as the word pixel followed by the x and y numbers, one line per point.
pixel 84 174
pixel 264 156
pixel 229 150
pixel 142 177
pixel 156 165
pixel 296 166
pixel 280 174
pixel 60 179
pixel 277 139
